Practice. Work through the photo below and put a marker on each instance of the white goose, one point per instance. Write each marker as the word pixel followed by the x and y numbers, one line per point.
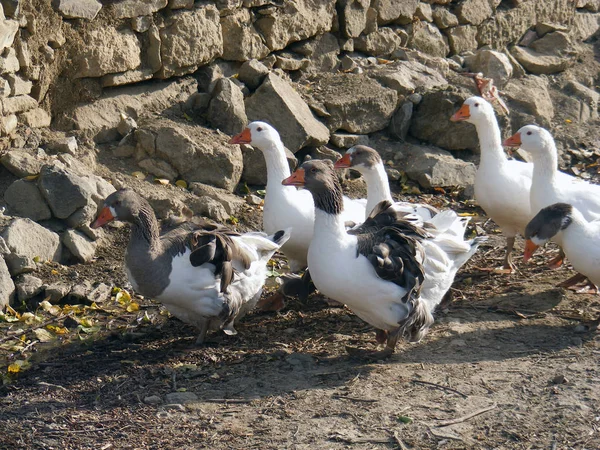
pixel 207 276
pixel 286 207
pixel 388 271
pixel 368 163
pixel 502 186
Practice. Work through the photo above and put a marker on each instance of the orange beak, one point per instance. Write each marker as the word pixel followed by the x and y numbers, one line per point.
pixel 295 179
pixel 245 137
pixel 344 162
pixel 513 141
pixel 462 114
pixel 103 218
pixel 530 249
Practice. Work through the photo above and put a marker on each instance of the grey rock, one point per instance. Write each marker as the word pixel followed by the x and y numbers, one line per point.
pixel 209 207
pixel 462 39
pixel 322 53
pixel 551 54
pixel 7 286
pixel 407 76
pixel 21 164
pixel 241 40
pixel 189 40
pixel 255 167
pixel 382 42
pixel 8 124
pixel 492 64
pixel 400 122
pixel 585 25
pixel 36 118
pixel 100 293
pixel 424 12
pixel 153 400
pixel 209 75
pixel 28 286
pixel 277 103
pixel 324 152
pixel 427 39
pixel 393 10
pixel 25 199
pixel 252 73
pixel 8 30
pixel 353 16
pixel 18 264
pixel 434 167
pixel 300 360
pixel 543 28
pixel 181 397
pixel 180 4
pixel 4 250
pixel 9 63
pixel 62 191
pixel 158 168
pixel 232 203
pixel 64 145
pixel 79 245
pixel 346 140
pixel 141 24
pixel 133 8
pixel 79 291
pixel 415 99
pixel 473 11
pixel 290 62
pixel 226 110
pixel 79 9
pixel 347 63
pixel 443 18
pixel 57 291
pixel 255 200
pixel 146 141
pixel 126 125
pixel 18 85
pixel 529 95
pixel 431 122
pixel 589 98
pixel 25 237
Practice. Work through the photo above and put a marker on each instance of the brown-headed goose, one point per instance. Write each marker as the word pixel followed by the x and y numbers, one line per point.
pixel 286 207
pixel 379 269
pixel 368 163
pixel 580 238
pixel 208 277
pixel 502 186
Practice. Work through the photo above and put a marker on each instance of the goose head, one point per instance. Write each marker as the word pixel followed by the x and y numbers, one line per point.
pixel 532 139
pixel 360 158
pixel 473 110
pixel 258 134
pixel 124 205
pixel 545 225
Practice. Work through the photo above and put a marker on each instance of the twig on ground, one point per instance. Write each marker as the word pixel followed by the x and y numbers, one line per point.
pixel 11 335
pixel 439 386
pixel 399 441
pixel 355 399
pixel 57 386
pixel 445 423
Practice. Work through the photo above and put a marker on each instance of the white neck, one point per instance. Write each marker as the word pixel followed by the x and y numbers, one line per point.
pixel 329 225
pixel 578 223
pixel 378 187
pixel 277 167
pixel 545 164
pixel 490 143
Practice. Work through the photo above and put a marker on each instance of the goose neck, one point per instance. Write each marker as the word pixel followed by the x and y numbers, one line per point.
pixel 145 232
pixel 545 164
pixel 490 142
pixel 277 166
pixel 378 187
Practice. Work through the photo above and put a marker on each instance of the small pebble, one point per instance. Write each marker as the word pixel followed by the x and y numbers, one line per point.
pixel 252 199
pixel 152 400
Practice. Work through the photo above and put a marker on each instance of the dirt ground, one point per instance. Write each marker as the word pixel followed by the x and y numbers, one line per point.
pixel 509 364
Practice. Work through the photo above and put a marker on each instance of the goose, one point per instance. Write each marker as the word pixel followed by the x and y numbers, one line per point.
pixel 547 186
pixel 207 276
pixel 580 237
pixel 388 271
pixel 502 186
pixel 285 206
pixel 368 163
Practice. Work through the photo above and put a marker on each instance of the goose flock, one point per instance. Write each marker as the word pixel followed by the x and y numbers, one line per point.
pixel 389 262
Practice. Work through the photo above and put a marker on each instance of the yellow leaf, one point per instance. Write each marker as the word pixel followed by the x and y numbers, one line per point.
pixel 14 368
pixel 50 308
pixel 182 184
pixel 88 323
pixel 162 181
pixel 43 335
pixel 54 272
pixel 467 214
pixel 123 297
pixel 568 121
pixel 36 259
pixel 132 307
pixel 32 177
pixel 139 175
pixel 57 330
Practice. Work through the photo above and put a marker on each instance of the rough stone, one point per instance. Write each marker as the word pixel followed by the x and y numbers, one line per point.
pixel 57 291
pixel 8 124
pixel 64 145
pixel 252 73
pixel 133 8
pixel 428 39
pixel 444 18
pixel 129 77
pixel 24 199
pixel 189 40
pixel 543 28
pixel 424 12
pixel 393 10
pixel 18 104
pixel 589 98
pixel 126 125
pixel 210 208
pixel 586 25
pixel 36 118
pixel 9 63
pixel 8 30
pixel 277 103
pixel 80 246
pixel 430 122
pixel 406 77
pixel 107 50
pixel 79 9
pixel 355 103
pixel 346 140
pixel 19 264
pixel 434 167
pixel 28 286
pixel 18 85
pixel 462 39
pixel 7 286
pixel 209 75
pixel 180 4
pixel 141 24
pixel 492 64
pixel 226 110
pixel 198 154
pixel 100 293
pixel 400 122
pixel 322 53
pixel 353 16
pixel 529 94
pixel 295 20
pixel 232 203
pixel 255 167
pixel 550 54
pixel 473 11
pixel 241 41
pixel 382 42
pixel 21 164
pixel 25 237
pixel 290 62
pixel 181 397
pixel 158 168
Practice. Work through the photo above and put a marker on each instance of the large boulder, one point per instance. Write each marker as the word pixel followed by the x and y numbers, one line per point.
pixel 529 95
pixel 295 20
pixel 322 53
pixel 226 110
pixel 492 64
pixel 473 11
pixel 426 38
pixel 189 40
pixel 21 163
pixel 107 50
pixel 25 237
pixel 462 39
pixel 355 102
pixel 196 153
pixel 382 42
pixel 395 11
pixel 406 77
pixel 431 122
pixel 353 16
pixel 550 54
pixel 241 41
pixel 24 199
pixel 278 103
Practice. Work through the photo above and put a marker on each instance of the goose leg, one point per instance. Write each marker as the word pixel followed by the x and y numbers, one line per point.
pixel 508 262
pixel 203 326
pixel 388 351
pixel 557 262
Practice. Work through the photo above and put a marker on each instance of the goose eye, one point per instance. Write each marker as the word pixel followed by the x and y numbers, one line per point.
pixel 529 133
pixel 259 129
pixel 313 170
pixel 118 203
pixel 476 105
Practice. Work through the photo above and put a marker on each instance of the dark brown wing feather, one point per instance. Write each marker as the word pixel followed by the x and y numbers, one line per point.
pixel 384 215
